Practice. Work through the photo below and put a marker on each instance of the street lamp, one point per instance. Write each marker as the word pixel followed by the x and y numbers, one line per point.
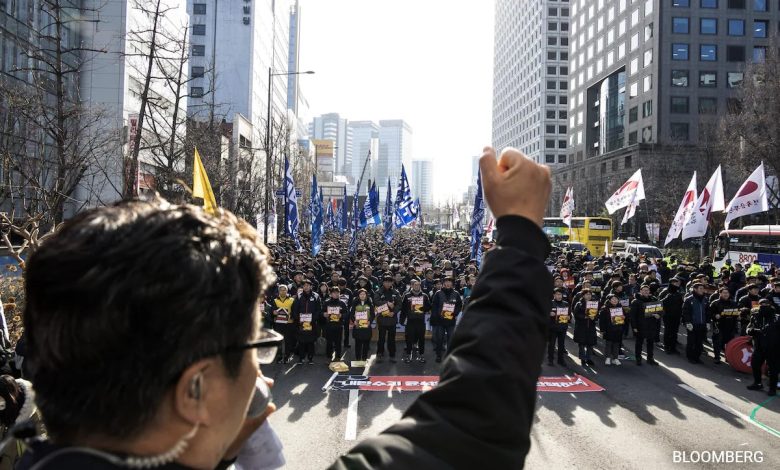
pixel 271 74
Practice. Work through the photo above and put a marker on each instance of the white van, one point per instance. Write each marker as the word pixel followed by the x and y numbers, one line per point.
pixel 633 247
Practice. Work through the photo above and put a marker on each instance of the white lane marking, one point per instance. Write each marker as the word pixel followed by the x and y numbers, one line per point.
pixel 330 381
pixel 352 408
pixel 723 407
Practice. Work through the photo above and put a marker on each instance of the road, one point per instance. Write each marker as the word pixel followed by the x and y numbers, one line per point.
pixel 644 415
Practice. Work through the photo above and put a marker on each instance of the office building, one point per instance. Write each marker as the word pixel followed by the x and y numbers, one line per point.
pixel 365 138
pixel 333 127
pixel 530 78
pixel 648 80
pixel 395 148
pixel 421 181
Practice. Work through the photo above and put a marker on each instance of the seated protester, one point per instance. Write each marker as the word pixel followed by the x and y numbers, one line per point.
pixel 585 314
pixel 284 323
pixel 336 314
pixel 725 315
pixel 748 304
pixel 362 316
pixel 612 317
pixel 307 311
pixel 558 325
pixel 646 313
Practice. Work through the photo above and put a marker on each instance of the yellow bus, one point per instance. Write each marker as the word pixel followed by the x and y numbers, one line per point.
pixel 593 232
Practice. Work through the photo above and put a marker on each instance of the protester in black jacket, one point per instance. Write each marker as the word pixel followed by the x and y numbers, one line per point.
pixel 611 320
pixel 761 319
pixel 307 311
pixel 560 317
pixel 414 306
pixel 725 314
pixel 361 316
pixel 672 300
pixel 696 319
pixel 387 304
pixel 446 306
pixel 748 304
pixel 646 313
pixel 585 313
pixel 335 314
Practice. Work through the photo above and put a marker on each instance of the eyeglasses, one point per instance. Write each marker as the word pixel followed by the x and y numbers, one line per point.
pixel 267 344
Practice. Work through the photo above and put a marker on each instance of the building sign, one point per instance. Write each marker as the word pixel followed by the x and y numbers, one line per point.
pixel 323 148
pixel 247 11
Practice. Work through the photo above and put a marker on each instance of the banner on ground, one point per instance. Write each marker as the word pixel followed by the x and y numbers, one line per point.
pixel 574 384
pixel 421 383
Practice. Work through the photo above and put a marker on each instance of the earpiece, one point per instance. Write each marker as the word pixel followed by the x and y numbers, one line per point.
pixel 195 386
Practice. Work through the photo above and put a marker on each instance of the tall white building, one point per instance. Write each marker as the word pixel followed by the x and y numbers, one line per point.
pixel 234 43
pixel 333 127
pixel 530 78
pixel 421 181
pixel 395 148
pixel 365 138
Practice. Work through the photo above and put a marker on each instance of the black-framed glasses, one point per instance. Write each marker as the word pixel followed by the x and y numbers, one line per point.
pixel 267 344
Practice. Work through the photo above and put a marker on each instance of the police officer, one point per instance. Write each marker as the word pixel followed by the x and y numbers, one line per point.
pixel 559 324
pixel 646 313
pixel 386 307
pixel 414 306
pixel 694 313
pixel 725 314
pixel 762 330
pixel 335 315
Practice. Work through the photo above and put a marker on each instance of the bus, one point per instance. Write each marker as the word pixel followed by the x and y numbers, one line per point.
pixel 593 232
pixel 745 245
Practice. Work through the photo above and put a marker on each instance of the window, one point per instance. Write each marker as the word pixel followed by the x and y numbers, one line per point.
pixel 760 28
pixel 199 30
pixel 679 105
pixel 550 114
pixel 564 26
pixel 734 79
pixel 680 25
pixel 632 136
pixel 196 92
pixel 564 41
pixel 561 144
pixel 561 158
pixel 708 79
pixel 198 8
pixel 760 5
pixel 736 27
pixel 648 57
pixel 648 83
pixel 564 55
pixel 562 130
pixel 562 114
pixel 734 105
pixel 552 55
pixel 550 99
pixel 552 12
pixel 679 131
pixel 549 158
pixel 647 108
pixel 708 105
pixel 679 51
pixel 551 84
pixel 735 53
pixel 198 50
pixel 708 52
pixel 551 70
pixel 633 90
pixel 563 70
pixel 197 72
pixel 681 3
pixel 633 114
pixel 549 144
pixel 708 26
pixel 737 4
pixel 759 53
pixel 563 85
pixel 614 165
pixel 552 41
pixel 549 129
pixel 709 3
pixel 679 78
pixel 552 26
pixel 563 99
pixel 648 32
pixel 603 168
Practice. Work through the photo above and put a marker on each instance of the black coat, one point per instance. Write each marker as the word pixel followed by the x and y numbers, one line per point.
pixel 439 315
pixel 585 323
pixel 612 326
pixel 642 319
pixel 335 314
pixel 557 321
pixel 488 381
pixel 306 314
pixel 414 307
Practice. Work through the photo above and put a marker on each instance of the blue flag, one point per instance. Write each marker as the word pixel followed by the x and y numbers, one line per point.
pixel 291 205
pixel 370 214
pixel 355 226
pixel 343 217
pixel 389 215
pixel 405 209
pixel 315 207
pixel 476 223
pixel 322 213
pixel 330 223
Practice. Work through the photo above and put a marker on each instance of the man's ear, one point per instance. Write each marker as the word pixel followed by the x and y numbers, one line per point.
pixel 192 391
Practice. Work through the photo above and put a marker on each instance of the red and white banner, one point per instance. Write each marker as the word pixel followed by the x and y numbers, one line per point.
pixel 710 200
pixel 567 207
pixel 632 190
pixel 683 212
pixel 751 197
pixel 573 384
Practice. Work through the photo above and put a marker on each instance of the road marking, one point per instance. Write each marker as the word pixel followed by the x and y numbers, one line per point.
pixel 731 411
pixel 769 429
pixel 352 408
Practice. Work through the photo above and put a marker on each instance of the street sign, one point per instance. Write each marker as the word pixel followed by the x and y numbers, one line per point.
pixel 280 192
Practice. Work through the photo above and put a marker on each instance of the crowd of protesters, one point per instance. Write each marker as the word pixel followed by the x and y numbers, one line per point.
pixel 422 281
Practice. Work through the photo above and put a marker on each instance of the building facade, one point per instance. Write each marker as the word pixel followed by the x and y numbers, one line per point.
pixel 530 78
pixel 421 181
pixel 365 138
pixel 395 149
pixel 333 127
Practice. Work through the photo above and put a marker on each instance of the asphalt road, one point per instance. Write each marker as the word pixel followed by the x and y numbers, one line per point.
pixel 643 417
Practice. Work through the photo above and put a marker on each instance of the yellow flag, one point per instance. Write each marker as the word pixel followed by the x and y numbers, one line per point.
pixel 201 187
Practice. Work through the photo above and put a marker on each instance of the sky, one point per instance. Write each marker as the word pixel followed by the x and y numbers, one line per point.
pixel 428 62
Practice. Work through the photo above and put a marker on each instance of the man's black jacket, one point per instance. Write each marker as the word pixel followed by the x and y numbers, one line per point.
pixel 481 413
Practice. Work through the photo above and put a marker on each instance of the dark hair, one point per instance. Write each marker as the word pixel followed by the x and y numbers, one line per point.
pixel 14 399
pixel 122 299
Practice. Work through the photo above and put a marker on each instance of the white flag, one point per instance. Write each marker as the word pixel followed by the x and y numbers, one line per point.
pixel 606 247
pixel 710 200
pixel 683 212
pixel 489 229
pixel 632 190
pixel 751 197
pixel 630 211
pixel 455 216
pixel 567 208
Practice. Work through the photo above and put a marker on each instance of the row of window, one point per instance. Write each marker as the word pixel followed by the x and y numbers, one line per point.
pixel 647 111
pixel 552 11
pixel 707 79
pixel 709 26
pixel 553 129
pixel 592 170
pixel 198 8
pixel 757 5
pixel 551 158
pixel 709 53
pixel 550 144
pixel 680 105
